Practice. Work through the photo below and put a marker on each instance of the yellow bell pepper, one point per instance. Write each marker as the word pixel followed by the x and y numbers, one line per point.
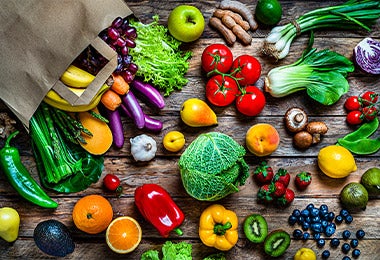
pixel 218 227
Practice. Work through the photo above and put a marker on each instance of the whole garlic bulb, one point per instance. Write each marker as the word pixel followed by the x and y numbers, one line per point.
pixel 143 147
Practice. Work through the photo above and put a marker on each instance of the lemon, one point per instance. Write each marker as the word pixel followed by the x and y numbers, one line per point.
pixel 268 12
pixel 336 161
pixel 305 254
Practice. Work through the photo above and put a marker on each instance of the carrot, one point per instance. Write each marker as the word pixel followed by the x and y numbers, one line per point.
pixel 120 86
pixel 111 100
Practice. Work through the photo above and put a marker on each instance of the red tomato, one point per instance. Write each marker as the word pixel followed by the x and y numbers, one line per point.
pixel 247 69
pixel 370 113
pixel 352 103
pixel 221 90
pixel 217 56
pixel 369 98
pixel 111 182
pixel 355 117
pixel 251 102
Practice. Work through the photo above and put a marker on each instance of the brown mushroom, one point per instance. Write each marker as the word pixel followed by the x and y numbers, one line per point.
pixel 303 139
pixel 316 129
pixel 295 119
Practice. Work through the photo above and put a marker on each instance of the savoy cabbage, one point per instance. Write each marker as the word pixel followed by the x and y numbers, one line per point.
pixel 213 167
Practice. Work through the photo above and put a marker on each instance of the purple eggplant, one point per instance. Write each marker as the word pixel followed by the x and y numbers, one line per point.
pixel 149 93
pixel 116 127
pixel 151 124
pixel 133 106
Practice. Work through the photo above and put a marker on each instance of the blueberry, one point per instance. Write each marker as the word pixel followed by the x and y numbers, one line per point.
pixel 329 230
pixel 344 213
pixel 330 216
pixel 310 206
pixel 314 212
pixel 305 213
pixel 296 213
pixel 354 243
pixel 316 236
pixel 339 219
pixel 305 236
pixel 324 223
pixel 334 242
pixel 349 219
pixel 316 227
pixel 346 258
pixel 292 220
pixel 346 234
pixel 308 219
pixel 324 207
pixel 297 233
pixel 325 254
pixel 346 248
pixel 315 219
pixel 321 242
pixel 360 234
pixel 356 253
pixel 305 226
pixel 300 220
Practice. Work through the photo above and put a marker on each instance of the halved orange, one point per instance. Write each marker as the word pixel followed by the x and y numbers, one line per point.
pixel 123 235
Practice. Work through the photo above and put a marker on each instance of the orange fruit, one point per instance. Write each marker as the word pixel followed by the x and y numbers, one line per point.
pixel 123 235
pixel 92 214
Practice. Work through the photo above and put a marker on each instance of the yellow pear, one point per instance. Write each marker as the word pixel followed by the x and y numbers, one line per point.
pixel 9 224
pixel 196 113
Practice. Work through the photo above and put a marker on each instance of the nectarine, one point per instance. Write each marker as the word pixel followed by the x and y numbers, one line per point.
pixel 262 139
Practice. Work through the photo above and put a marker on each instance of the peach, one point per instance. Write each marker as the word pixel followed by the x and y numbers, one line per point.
pixel 262 139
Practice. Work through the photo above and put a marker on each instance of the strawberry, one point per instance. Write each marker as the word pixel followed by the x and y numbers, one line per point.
pixel 283 176
pixel 302 180
pixel 265 193
pixel 263 174
pixel 286 199
pixel 278 189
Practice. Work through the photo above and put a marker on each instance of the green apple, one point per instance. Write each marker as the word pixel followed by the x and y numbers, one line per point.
pixel 186 23
pixel 9 224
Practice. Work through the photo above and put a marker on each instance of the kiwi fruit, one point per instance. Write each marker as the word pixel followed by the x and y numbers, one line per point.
pixel 255 228
pixel 354 196
pixel 276 243
pixel 53 238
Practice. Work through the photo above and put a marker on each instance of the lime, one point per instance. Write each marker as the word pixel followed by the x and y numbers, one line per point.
pixel 371 180
pixel 354 196
pixel 268 12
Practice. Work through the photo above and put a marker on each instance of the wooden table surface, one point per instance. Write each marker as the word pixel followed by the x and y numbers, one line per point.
pixel 163 168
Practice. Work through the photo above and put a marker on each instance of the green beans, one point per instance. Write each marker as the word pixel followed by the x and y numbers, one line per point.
pixel 359 142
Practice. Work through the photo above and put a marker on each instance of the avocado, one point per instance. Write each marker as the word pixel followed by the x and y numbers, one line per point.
pixel 53 238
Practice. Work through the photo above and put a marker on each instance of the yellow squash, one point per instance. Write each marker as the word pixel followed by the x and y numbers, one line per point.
pixel 218 227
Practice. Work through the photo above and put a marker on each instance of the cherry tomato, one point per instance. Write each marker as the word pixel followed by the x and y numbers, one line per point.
pixel 251 102
pixel 217 56
pixel 221 90
pixel 369 98
pixel 111 182
pixel 352 103
pixel 355 117
pixel 247 69
pixel 370 113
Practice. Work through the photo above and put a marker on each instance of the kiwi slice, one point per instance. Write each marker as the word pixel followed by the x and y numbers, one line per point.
pixel 255 228
pixel 276 243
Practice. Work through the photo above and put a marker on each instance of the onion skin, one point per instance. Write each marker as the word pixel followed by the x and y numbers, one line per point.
pixel 367 56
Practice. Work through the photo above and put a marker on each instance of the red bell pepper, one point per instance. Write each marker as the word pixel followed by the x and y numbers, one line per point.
pixel 157 207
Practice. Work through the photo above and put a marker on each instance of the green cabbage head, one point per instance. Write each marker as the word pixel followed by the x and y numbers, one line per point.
pixel 213 167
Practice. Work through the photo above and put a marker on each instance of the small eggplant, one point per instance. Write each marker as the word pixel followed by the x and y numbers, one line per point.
pixel 133 106
pixel 148 93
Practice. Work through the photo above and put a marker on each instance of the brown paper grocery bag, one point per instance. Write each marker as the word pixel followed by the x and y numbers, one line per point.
pixel 40 39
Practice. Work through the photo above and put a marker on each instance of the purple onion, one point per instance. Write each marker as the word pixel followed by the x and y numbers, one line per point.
pixel 367 55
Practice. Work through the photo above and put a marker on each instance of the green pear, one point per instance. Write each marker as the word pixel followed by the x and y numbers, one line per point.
pixel 196 113
pixel 9 224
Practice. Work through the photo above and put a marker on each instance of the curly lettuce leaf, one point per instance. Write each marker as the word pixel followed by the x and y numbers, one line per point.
pixel 158 56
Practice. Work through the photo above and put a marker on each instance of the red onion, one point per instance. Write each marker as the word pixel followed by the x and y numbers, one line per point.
pixel 367 55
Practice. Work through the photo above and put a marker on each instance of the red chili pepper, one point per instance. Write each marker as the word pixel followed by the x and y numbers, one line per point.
pixel 157 207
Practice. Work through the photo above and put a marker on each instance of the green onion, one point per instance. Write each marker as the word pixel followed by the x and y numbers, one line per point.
pixel 322 73
pixel 353 14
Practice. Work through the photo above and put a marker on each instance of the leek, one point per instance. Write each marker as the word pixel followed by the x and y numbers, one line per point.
pixel 353 14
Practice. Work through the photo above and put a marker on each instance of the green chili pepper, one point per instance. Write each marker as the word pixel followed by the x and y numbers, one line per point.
pixel 20 178
pixel 361 146
pixel 364 131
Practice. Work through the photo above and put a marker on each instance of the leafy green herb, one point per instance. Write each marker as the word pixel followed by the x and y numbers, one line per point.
pixel 158 56
pixel 170 251
pixel 321 73
pixel 213 166
pixel 63 166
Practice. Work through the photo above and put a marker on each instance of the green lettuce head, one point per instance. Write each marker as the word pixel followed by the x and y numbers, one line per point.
pixel 213 167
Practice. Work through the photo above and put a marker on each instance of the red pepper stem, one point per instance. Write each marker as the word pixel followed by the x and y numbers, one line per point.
pixel 178 231
pixel 220 229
